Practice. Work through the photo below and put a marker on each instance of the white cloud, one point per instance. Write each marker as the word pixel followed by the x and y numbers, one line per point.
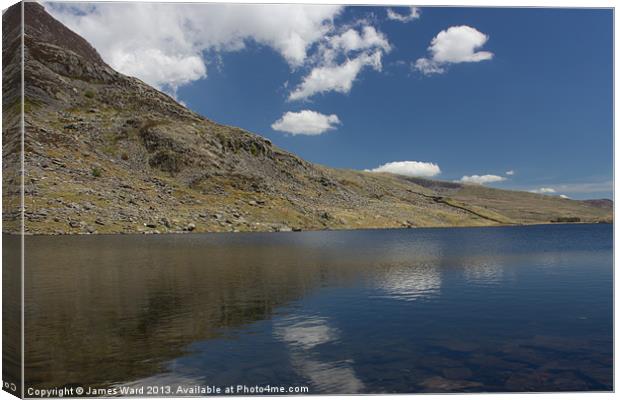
pixel 549 191
pixel 163 44
pixel 339 60
pixel 409 168
pixel 544 190
pixel 579 188
pixel 456 44
pixel 172 70
pixel 351 40
pixel 510 172
pixel 428 67
pixel 337 78
pixel 482 179
pixel 166 44
pixel 414 13
pixel 306 122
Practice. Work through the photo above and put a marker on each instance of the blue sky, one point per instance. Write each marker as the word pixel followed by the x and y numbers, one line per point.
pixel 496 90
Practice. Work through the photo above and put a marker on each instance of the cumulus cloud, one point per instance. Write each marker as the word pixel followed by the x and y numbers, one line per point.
pixel 549 191
pixel 413 13
pixel 544 190
pixel 454 45
pixel 409 168
pixel 352 40
pixel 481 179
pixel 306 122
pixel 172 70
pixel 428 67
pixel 171 45
pixel 510 173
pixel 577 189
pixel 164 44
pixel 337 78
pixel 339 60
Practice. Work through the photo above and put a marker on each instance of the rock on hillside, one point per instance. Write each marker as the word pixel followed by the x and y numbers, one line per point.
pixel 107 153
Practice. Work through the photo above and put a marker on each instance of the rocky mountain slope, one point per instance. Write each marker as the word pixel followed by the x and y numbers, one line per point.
pixel 107 153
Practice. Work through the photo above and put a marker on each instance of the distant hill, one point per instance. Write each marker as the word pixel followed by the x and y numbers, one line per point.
pixel 107 153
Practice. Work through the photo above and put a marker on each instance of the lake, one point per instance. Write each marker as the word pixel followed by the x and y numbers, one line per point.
pixel 368 311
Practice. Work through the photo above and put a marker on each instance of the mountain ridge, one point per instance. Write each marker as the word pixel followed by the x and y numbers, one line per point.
pixel 106 153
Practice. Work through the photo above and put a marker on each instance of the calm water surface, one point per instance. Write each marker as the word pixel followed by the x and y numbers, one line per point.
pixel 428 310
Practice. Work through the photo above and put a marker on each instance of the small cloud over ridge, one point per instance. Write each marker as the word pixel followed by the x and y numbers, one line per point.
pixel 543 190
pixel 409 168
pixel 481 179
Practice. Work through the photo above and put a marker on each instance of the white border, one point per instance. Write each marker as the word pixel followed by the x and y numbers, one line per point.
pixel 473 3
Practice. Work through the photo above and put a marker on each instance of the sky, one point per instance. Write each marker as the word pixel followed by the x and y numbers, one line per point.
pixel 513 98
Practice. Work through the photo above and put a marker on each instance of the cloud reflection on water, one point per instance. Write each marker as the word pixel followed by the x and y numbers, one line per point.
pixel 416 282
pixel 302 335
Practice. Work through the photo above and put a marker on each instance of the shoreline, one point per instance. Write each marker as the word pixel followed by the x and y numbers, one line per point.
pixel 148 233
